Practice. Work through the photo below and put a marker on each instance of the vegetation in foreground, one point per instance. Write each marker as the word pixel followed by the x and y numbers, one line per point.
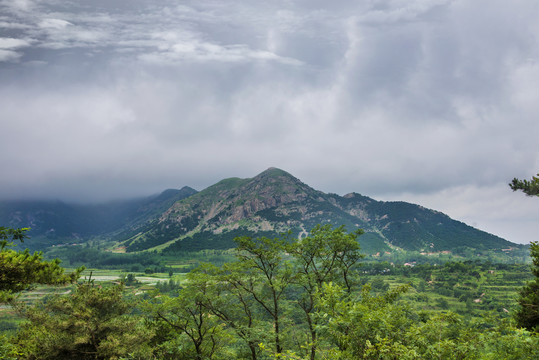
pixel 278 299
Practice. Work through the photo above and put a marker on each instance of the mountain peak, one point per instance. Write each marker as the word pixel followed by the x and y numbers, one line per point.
pixel 273 171
pixel 188 189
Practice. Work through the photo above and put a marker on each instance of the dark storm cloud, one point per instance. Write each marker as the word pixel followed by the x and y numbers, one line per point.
pixel 426 100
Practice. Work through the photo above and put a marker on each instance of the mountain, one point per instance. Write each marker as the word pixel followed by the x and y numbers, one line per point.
pixel 274 202
pixel 268 204
pixel 54 222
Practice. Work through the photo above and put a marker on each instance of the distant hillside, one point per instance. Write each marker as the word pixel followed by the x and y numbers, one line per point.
pixel 54 222
pixel 274 202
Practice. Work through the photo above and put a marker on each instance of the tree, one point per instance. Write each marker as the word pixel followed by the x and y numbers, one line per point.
pixel 326 255
pixel 266 277
pixel 362 326
pixel 184 327
pixel 19 270
pixel 93 322
pixel 527 315
pixel 8 235
pixel 529 187
pixel 237 308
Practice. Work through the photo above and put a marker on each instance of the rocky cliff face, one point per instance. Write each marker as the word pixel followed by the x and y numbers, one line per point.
pixel 231 201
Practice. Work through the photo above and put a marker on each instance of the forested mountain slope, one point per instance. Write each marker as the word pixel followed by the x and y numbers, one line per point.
pixel 275 201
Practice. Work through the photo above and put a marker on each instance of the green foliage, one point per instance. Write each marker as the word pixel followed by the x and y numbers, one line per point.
pixel 380 327
pixel 327 255
pixel 379 285
pixel 93 322
pixel 265 277
pixel 529 187
pixel 505 342
pixel 95 258
pixel 8 235
pixel 362 326
pixel 415 228
pixel 130 279
pixel 161 232
pixel 285 298
pixel 20 270
pixel 167 287
pixel 8 351
pixel 209 240
pixel 183 326
pixel 527 315
pixel 300 299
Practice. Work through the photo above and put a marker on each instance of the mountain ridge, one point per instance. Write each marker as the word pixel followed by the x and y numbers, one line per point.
pixel 274 202
pixel 268 204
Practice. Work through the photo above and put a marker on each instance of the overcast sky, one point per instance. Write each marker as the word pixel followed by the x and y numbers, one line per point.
pixel 435 102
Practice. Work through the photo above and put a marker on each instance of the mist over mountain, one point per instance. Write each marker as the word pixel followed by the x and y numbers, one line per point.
pixel 57 222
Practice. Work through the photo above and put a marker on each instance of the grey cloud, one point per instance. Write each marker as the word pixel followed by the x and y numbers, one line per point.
pixel 9 55
pixel 10 43
pixel 20 5
pixel 9 47
pixel 426 100
pixel 57 24
pixel 392 12
pixel 197 51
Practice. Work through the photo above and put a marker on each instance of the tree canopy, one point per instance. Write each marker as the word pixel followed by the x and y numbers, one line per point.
pixel 529 187
pixel 528 314
pixel 93 322
pixel 19 270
